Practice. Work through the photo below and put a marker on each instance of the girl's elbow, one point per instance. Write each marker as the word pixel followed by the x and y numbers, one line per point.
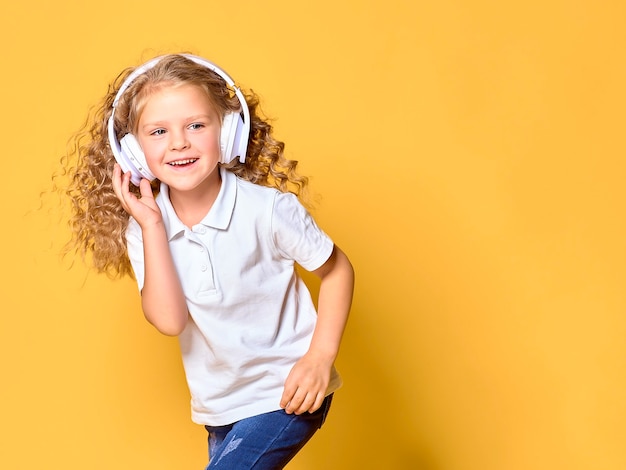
pixel 170 328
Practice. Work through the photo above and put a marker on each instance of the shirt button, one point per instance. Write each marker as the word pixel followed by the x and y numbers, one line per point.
pixel 201 230
pixel 203 267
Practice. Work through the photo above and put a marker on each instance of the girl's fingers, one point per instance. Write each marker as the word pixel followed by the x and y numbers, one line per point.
pixel 145 189
pixel 126 185
pixel 305 403
pixel 115 180
pixel 288 393
pixel 318 402
pixel 120 186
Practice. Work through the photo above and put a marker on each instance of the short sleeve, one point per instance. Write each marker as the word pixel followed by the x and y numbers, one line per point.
pixel 296 235
pixel 134 244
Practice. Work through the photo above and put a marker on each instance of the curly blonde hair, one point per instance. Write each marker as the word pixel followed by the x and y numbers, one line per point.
pixel 98 222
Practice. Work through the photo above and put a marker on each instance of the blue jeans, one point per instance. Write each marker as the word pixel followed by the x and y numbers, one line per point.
pixel 264 442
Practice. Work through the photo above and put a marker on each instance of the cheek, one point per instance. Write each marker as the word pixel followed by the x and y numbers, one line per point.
pixel 210 141
pixel 151 150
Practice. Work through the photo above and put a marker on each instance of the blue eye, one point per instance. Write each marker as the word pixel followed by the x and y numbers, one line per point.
pixel 158 132
pixel 196 125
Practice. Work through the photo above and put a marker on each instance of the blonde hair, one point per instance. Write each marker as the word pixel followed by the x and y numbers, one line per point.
pixel 98 222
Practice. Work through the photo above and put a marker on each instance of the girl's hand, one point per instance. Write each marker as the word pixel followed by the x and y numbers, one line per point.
pixel 306 385
pixel 144 210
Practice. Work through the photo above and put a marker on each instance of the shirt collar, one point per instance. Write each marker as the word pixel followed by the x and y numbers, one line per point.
pixel 218 217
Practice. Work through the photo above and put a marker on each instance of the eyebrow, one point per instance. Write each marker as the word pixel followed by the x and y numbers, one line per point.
pixel 189 118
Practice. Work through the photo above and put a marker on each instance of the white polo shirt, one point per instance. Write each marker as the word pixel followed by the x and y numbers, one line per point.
pixel 251 316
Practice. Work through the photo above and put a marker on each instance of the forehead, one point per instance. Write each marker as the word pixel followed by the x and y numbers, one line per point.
pixel 173 93
pixel 176 100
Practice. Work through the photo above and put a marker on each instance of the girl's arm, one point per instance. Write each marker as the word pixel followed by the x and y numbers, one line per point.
pixel 308 380
pixel 162 298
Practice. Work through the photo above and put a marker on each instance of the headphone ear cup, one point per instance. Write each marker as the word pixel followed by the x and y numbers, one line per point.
pixel 135 159
pixel 230 136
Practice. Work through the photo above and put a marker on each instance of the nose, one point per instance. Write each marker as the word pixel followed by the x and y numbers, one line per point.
pixel 178 140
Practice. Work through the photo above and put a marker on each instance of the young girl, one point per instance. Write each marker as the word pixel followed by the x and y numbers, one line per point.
pixel 212 235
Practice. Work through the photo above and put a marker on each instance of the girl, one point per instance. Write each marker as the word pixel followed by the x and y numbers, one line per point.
pixel 212 234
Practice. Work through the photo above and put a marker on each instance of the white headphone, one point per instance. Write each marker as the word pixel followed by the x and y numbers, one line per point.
pixel 233 136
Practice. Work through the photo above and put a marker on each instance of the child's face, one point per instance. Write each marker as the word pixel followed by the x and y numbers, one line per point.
pixel 179 132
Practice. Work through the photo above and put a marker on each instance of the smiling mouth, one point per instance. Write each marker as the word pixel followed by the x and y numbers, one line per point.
pixel 186 162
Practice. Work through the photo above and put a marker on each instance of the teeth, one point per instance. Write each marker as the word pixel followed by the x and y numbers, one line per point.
pixel 183 162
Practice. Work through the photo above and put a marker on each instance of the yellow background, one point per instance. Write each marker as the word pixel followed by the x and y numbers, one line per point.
pixel 469 157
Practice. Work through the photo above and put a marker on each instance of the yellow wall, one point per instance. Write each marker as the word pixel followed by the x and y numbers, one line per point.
pixel 469 155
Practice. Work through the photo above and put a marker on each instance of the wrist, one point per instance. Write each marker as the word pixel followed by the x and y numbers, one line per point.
pixel 322 354
pixel 152 226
